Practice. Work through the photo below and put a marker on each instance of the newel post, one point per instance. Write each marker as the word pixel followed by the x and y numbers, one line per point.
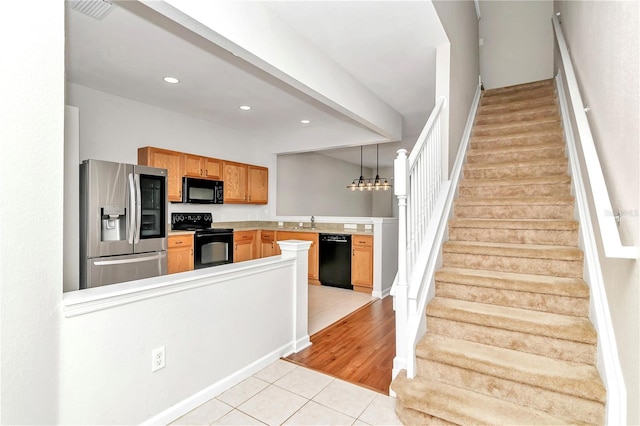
pixel 299 250
pixel 400 185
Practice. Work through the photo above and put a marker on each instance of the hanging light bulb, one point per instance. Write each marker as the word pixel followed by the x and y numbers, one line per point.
pixel 369 183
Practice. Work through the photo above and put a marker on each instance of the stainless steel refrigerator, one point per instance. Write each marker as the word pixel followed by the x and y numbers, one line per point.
pixel 123 222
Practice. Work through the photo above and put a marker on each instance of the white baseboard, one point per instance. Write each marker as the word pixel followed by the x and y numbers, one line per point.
pixel 183 407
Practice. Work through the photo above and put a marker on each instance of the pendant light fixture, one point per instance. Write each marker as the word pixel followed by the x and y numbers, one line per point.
pixel 369 184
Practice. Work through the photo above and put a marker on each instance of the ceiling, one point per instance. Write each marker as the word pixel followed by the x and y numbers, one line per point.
pixel 389 46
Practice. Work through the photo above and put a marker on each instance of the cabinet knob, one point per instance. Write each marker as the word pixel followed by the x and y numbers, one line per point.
pixel 200 172
pixel 178 242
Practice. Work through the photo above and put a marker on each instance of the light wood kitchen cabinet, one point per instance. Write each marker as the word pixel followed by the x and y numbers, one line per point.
pixel 234 176
pixel 179 253
pixel 244 246
pixel 258 185
pixel 202 167
pixel 268 244
pixel 313 250
pixel 244 183
pixel 165 159
pixel 362 263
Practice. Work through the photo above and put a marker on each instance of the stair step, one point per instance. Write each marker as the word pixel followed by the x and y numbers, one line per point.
pixel 525 139
pixel 526 114
pixel 566 389
pixel 541 186
pixel 519 87
pixel 516 153
pixel 522 105
pixel 460 406
pixel 541 284
pixel 509 208
pixel 520 95
pixel 557 326
pixel 514 128
pixel 520 231
pixel 532 259
pixel 516 169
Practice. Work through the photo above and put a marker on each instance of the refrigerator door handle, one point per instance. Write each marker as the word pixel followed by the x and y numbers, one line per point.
pixel 138 209
pixel 123 261
pixel 132 209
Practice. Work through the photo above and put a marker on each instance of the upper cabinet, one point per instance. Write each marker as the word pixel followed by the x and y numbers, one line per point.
pixel 202 167
pixel 244 183
pixel 258 185
pixel 165 159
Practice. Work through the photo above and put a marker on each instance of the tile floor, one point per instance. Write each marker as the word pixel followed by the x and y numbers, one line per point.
pixel 286 394
pixel 328 304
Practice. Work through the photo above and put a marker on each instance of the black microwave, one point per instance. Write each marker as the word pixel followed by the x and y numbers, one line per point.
pixel 202 191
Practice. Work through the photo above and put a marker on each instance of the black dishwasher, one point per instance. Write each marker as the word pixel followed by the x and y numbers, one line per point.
pixel 335 260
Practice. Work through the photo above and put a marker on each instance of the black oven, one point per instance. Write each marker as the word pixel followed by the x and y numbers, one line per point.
pixel 213 247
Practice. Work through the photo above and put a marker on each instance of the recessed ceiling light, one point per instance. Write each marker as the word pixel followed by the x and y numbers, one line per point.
pixel 305 121
pixel 171 80
pixel 245 107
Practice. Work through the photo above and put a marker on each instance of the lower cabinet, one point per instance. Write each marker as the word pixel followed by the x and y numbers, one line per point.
pixel 314 275
pixel 244 246
pixel 362 263
pixel 179 253
pixel 268 244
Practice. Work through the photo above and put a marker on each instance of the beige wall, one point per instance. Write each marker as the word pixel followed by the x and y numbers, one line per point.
pixel 518 42
pixel 460 22
pixel 604 43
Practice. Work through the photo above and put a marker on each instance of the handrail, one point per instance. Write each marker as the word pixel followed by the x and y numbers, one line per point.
pixel 609 234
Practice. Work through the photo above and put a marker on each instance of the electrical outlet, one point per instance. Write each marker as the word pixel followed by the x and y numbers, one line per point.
pixel 367 227
pixel 350 226
pixel 280 224
pixel 300 224
pixel 157 359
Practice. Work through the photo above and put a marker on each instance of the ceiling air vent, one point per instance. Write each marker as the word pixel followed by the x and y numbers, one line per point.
pixel 97 9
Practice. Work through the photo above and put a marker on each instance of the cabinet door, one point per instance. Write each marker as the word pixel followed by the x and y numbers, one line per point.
pixel 179 253
pixel 268 243
pixel 243 245
pixel 165 159
pixel 234 176
pixel 212 168
pixel 313 250
pixel 193 165
pixel 362 261
pixel 258 186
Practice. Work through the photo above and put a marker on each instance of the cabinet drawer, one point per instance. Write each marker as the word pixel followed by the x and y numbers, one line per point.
pixel 268 236
pixel 362 241
pixel 243 235
pixel 180 241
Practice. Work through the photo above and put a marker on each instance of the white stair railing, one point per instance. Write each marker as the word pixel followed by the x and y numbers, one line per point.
pixel 425 198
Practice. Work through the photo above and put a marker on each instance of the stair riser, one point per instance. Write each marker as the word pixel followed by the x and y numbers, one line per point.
pixel 524 155
pixel 561 211
pixel 495 191
pixel 518 236
pixel 515 129
pixel 517 106
pixel 409 416
pixel 518 116
pixel 519 88
pixel 492 142
pixel 555 403
pixel 515 172
pixel 523 265
pixel 523 95
pixel 509 339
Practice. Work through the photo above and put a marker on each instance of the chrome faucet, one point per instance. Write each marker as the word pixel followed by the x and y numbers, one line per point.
pixel 313 223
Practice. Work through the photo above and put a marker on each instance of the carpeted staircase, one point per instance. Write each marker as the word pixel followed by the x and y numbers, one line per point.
pixel 508 337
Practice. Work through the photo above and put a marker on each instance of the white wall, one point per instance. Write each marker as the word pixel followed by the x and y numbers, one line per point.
pixel 518 42
pixel 31 205
pixel 460 22
pixel 604 43
pixel 314 184
pixel 210 332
